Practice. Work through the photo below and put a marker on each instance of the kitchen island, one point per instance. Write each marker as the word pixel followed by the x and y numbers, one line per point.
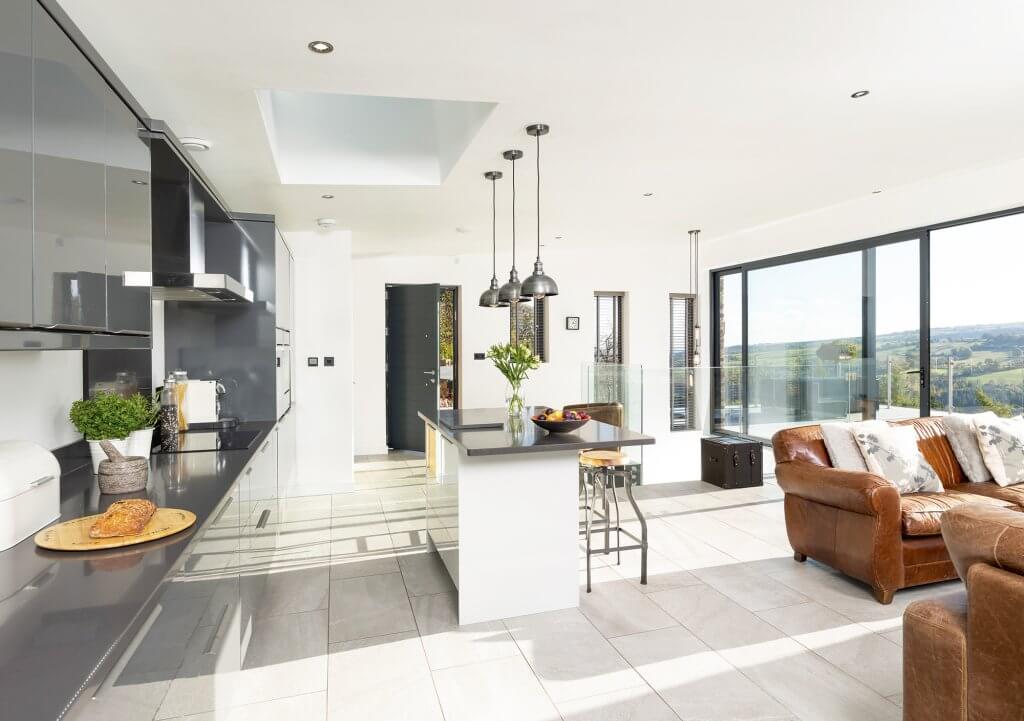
pixel 503 509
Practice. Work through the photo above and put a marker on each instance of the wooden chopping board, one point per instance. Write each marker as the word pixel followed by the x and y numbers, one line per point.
pixel 74 535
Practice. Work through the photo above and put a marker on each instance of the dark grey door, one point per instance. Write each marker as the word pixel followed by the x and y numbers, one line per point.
pixel 411 358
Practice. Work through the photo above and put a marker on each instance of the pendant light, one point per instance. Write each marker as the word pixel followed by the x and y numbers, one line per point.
pixel 489 298
pixel 511 292
pixel 694 289
pixel 538 285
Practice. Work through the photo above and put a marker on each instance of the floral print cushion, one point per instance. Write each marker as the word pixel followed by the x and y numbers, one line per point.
pixel 1002 446
pixel 892 453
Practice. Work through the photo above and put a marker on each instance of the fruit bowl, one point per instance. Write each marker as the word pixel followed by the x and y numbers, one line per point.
pixel 559 423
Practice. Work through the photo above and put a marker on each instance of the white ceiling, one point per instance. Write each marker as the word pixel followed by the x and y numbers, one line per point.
pixel 732 113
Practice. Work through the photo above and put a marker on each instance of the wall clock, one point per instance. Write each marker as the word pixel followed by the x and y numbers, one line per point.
pixel 572 322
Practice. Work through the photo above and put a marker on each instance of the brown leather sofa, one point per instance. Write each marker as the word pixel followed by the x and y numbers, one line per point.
pixel 962 655
pixel 859 524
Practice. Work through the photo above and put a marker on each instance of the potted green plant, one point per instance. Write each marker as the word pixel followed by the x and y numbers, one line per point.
pixel 126 422
pixel 514 361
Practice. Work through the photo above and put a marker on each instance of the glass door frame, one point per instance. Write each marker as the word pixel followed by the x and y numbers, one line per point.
pixel 922 234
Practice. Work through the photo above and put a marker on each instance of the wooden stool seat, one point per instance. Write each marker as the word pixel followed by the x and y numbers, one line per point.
pixel 603 458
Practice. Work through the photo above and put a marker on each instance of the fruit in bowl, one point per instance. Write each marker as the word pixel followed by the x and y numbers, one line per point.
pixel 562 421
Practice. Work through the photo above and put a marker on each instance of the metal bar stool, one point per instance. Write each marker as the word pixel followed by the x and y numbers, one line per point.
pixel 601 470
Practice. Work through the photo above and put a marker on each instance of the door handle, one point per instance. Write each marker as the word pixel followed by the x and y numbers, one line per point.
pixel 430 373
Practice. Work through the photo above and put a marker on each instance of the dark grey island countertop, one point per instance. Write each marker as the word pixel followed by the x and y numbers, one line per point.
pixel 531 438
pixel 63 613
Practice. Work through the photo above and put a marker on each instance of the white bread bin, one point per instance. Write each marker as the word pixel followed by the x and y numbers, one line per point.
pixel 29 490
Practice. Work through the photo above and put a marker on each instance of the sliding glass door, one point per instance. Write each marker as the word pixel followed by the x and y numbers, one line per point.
pixel 977 317
pixel 863 329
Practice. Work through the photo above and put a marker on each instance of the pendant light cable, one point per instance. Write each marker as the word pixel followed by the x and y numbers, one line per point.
pixel 537 136
pixel 494 229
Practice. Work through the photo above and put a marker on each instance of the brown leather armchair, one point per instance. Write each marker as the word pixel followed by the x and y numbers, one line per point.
pixel 858 522
pixel 962 656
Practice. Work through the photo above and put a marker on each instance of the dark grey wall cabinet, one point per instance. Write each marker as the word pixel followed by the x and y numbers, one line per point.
pixel 129 230
pixel 74 191
pixel 16 162
pixel 70 200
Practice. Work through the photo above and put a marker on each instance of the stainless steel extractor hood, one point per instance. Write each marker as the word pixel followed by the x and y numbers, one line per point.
pixel 190 286
pixel 199 252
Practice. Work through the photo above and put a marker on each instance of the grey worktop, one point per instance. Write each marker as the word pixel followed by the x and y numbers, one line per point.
pixel 531 438
pixel 62 612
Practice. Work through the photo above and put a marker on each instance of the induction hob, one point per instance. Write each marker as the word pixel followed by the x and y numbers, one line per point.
pixel 222 440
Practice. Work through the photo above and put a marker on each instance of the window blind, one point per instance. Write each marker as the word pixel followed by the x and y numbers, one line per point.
pixel 681 390
pixel 608 347
pixel 528 323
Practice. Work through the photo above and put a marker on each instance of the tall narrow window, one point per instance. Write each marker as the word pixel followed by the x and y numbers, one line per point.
pixel 608 347
pixel 681 380
pixel 528 324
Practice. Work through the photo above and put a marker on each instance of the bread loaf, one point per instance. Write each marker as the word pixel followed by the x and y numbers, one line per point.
pixel 123 518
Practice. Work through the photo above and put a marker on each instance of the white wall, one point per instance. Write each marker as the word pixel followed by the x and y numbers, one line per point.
pixel 322 397
pixel 37 389
pixel 647 279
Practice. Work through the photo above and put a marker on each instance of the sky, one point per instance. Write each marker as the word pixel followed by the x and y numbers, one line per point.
pixel 975 279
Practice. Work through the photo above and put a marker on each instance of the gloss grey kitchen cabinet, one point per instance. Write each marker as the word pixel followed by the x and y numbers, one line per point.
pixel 69 120
pixel 129 228
pixel 16 162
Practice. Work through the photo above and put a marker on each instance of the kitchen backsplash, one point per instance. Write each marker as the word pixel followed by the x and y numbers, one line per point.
pixel 36 391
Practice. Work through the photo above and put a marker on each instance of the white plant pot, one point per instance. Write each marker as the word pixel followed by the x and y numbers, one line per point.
pixel 121 444
pixel 138 443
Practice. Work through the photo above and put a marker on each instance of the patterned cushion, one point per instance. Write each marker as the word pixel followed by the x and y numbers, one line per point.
pixel 922 512
pixel 1002 446
pixel 892 453
pixel 961 430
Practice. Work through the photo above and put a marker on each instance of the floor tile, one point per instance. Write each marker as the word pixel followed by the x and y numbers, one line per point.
pixel 447 644
pixel 617 608
pixel 369 606
pixel 286 656
pixel 809 686
pixel 713 618
pixel 425 574
pixel 288 591
pixel 570 657
pixel 753 591
pixel 697 682
pixel 634 704
pixel 384 678
pixel 499 690
pixel 356 564
pixel 874 661
pixel 307 707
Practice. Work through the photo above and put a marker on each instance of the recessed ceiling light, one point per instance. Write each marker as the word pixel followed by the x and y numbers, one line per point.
pixel 648 195
pixel 860 94
pixel 462 229
pixel 321 47
pixel 875 192
pixel 559 237
pixel 195 144
pixel 326 196
pixel 140 182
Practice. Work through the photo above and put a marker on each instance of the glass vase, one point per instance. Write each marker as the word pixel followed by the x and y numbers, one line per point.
pixel 514 400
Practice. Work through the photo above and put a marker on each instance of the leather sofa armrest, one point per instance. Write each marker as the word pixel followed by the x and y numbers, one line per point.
pixel 856 491
pixel 935 659
pixel 984 534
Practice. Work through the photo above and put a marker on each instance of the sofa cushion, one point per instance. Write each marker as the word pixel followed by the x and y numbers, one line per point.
pixel 892 453
pixel 922 512
pixel 962 432
pixel 991 489
pixel 841 443
pixel 1002 446
pixel 935 446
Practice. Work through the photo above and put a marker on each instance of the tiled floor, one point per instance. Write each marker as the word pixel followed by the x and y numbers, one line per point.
pixel 729 626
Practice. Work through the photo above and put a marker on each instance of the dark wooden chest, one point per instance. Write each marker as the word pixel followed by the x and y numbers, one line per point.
pixel 730 462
